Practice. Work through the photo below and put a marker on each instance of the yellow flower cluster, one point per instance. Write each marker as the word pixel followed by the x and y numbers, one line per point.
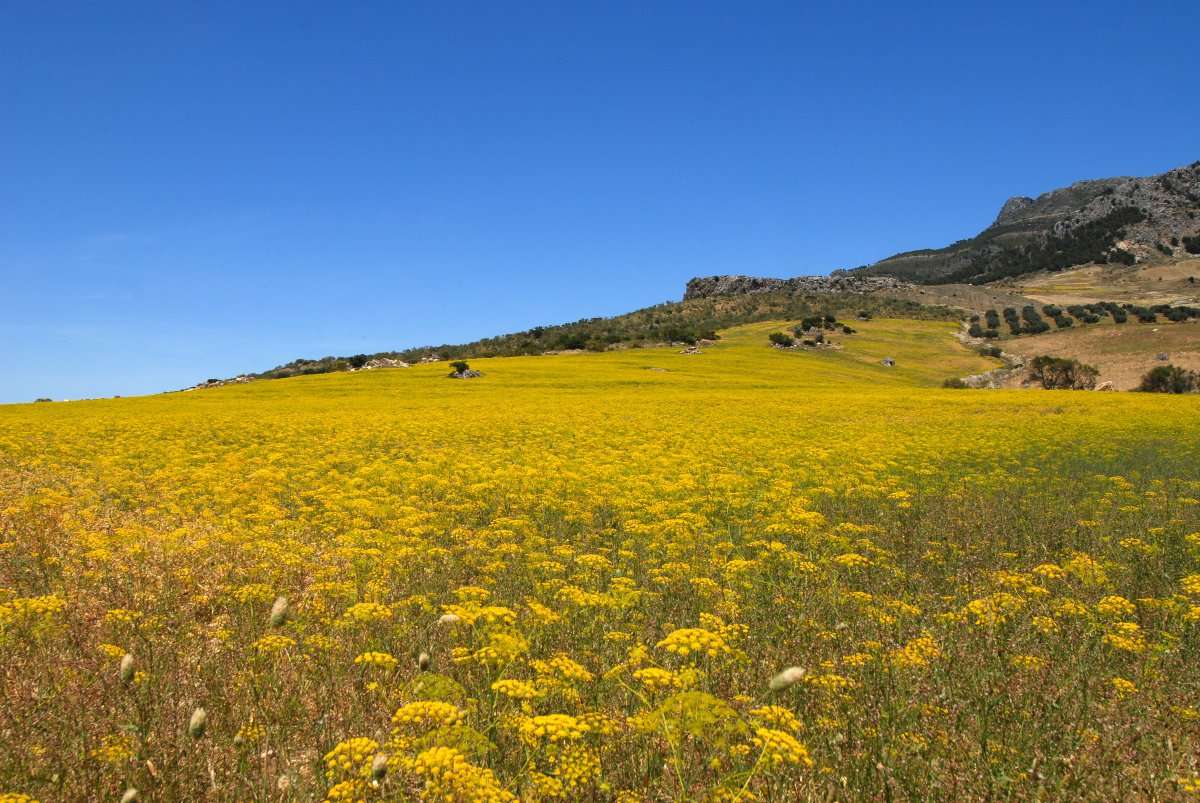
pixel 379 660
pixel 426 713
pixel 779 747
pixel 553 728
pixel 516 689
pixel 351 757
pixel 273 643
pixel 776 717
pixel 916 653
pixel 656 679
pixel 448 776
pixel 694 641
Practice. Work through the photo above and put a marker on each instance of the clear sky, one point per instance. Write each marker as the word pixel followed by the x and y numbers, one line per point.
pixel 196 190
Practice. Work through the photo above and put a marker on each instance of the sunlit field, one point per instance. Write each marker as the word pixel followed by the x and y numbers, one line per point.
pixel 748 574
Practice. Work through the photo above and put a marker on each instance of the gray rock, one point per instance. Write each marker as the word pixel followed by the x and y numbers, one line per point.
pixel 836 282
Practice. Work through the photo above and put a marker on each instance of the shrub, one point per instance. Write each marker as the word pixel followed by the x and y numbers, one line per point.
pixel 955 383
pixel 1192 244
pixel 1122 256
pixel 1170 379
pixel 460 366
pixel 813 322
pixel 1062 373
pixel 782 339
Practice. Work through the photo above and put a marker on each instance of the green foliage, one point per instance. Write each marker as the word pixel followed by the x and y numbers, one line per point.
pixel 1091 242
pixel 697 715
pixel 1192 244
pixel 1170 379
pixel 460 366
pixel 1062 373
pixel 1032 321
pixel 782 339
pixel 432 686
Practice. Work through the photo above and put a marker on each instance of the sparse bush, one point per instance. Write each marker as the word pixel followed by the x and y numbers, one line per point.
pixel 1170 379
pixel 955 383
pixel 1062 373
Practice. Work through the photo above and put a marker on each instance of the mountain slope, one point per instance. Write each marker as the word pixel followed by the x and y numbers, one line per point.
pixel 1107 220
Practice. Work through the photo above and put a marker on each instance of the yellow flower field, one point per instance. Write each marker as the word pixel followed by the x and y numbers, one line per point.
pixel 748 574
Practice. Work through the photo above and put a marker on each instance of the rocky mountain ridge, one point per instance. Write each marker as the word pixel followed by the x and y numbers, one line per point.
pixel 1124 219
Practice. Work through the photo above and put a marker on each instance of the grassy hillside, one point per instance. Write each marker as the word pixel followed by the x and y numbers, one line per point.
pixel 674 321
pixel 606 559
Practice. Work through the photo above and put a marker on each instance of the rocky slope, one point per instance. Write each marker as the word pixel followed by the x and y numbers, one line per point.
pixel 838 282
pixel 1124 220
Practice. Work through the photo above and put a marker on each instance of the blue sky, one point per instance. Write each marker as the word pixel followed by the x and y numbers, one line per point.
pixel 198 191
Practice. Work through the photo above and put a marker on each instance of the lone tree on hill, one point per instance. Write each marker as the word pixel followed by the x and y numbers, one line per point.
pixel 1062 373
pixel 1170 379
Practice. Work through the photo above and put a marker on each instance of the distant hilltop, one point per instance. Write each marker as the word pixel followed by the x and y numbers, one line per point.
pixel 1123 220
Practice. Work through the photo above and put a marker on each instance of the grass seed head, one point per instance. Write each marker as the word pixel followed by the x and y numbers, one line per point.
pixel 787 678
pixel 197 723
pixel 131 795
pixel 127 668
pixel 423 662
pixel 379 766
pixel 279 611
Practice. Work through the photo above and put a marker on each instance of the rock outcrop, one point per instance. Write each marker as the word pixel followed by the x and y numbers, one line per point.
pixel 837 282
